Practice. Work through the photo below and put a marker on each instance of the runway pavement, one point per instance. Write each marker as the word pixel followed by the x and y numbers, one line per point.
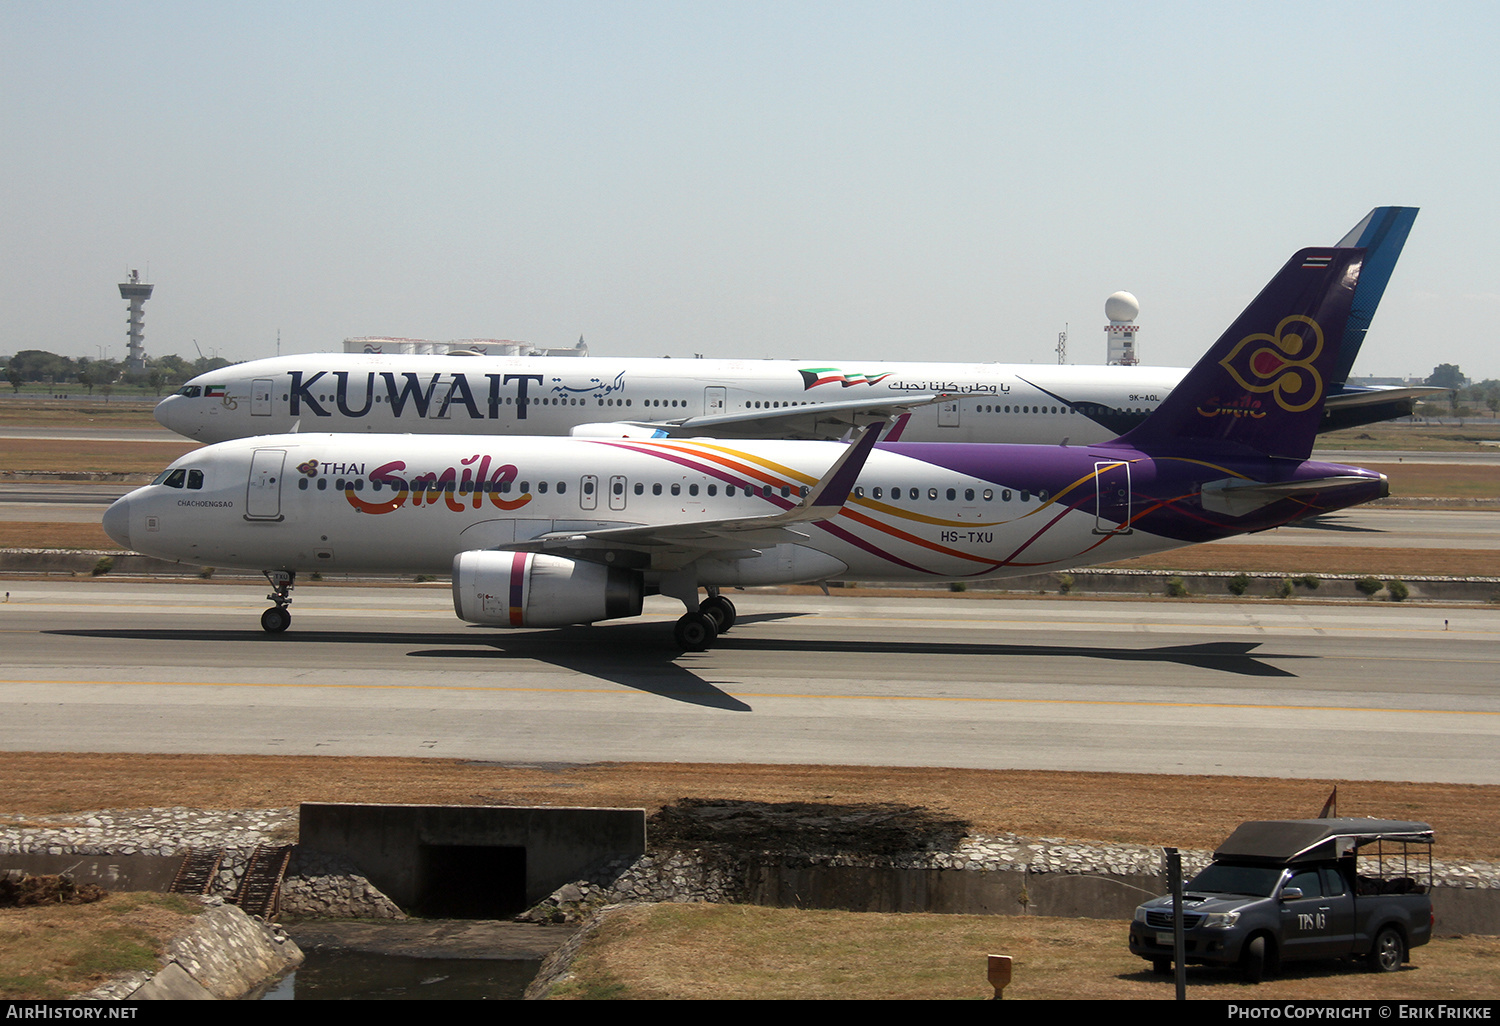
pixel 1372 691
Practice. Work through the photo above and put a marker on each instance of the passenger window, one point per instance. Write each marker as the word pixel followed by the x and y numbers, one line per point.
pixel 989 494
pixel 969 495
pixel 916 493
pixel 692 489
pixel 859 493
pixel 656 489
pixel 932 494
pixel 562 487
pixel 1307 879
pixel 640 488
pixel 1005 495
pixel 676 489
pixel 875 492
pixel 1333 882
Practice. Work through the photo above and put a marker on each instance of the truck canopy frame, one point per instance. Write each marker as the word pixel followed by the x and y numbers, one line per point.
pixel 1312 840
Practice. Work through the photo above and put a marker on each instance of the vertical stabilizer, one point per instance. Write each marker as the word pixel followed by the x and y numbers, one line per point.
pixel 1262 385
pixel 1381 234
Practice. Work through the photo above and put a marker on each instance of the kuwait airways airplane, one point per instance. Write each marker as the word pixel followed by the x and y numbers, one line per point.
pixel 659 398
pixel 541 532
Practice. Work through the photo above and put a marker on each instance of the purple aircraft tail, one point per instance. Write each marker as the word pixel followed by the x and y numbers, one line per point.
pixel 1261 387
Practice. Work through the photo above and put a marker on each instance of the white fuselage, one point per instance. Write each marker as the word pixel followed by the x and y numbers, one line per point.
pixel 367 393
pixel 308 502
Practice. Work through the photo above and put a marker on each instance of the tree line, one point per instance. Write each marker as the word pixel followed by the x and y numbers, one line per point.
pixel 1465 398
pixel 36 366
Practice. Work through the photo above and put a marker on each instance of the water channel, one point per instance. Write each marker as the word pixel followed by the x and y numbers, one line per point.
pixel 416 960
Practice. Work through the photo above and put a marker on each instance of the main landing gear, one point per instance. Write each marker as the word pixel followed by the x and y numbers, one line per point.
pixel 697 629
pixel 277 619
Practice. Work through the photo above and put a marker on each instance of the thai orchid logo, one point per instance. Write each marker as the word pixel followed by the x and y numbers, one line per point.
pixel 1281 364
pixel 310 468
pixel 815 376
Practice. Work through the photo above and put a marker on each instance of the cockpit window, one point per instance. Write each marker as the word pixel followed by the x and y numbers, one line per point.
pixel 191 391
pixel 195 479
pixel 175 478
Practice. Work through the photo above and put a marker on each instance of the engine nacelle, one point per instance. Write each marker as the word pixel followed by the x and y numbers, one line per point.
pixel 529 589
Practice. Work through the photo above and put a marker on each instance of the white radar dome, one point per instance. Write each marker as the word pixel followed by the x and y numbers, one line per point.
pixel 1121 306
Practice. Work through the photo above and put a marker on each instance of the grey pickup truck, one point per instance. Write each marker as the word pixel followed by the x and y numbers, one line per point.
pixel 1298 889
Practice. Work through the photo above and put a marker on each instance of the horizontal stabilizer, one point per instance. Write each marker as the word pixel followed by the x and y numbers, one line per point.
pixel 1236 497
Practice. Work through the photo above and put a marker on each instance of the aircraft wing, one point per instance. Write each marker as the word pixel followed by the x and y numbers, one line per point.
pixel 826 421
pixel 677 544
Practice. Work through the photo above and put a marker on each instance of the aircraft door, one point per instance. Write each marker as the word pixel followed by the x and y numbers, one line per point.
pixel 617 492
pixel 260 397
pixel 1112 514
pixel 263 495
pixel 948 414
pixel 714 400
pixel 588 492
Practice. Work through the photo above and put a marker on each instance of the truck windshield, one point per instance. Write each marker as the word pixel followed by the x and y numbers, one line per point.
pixel 1227 878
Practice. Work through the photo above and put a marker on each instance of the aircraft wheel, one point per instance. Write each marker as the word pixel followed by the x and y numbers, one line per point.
pixel 721 610
pixel 1389 951
pixel 695 632
pixel 275 620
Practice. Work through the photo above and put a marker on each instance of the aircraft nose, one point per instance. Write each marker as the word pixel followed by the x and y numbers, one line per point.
pixel 168 414
pixel 117 521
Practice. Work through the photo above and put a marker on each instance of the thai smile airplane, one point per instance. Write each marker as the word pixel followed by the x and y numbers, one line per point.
pixel 541 532
pixel 605 397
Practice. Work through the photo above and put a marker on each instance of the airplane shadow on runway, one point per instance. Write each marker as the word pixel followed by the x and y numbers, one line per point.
pixel 638 656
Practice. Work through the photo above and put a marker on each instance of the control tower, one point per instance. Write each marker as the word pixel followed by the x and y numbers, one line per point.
pixel 1122 310
pixel 136 293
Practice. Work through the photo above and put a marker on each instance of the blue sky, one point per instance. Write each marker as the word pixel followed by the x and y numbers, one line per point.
pixel 850 181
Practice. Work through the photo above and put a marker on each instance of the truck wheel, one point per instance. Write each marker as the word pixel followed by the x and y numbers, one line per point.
pixel 1389 951
pixel 1253 960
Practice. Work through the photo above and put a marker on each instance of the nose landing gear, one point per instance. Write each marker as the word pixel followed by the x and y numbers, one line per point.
pixel 277 619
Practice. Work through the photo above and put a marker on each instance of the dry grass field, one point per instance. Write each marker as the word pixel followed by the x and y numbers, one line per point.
pixel 683 952
pixel 1138 808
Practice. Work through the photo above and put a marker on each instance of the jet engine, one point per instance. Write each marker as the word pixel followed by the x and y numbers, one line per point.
pixel 528 589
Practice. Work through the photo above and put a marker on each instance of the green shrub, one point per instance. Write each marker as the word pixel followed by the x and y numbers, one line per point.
pixel 1064 584
pixel 1309 581
pixel 1397 590
pixel 958 586
pixel 1287 589
pixel 1176 587
pixel 1368 585
pixel 1239 584
pixel 206 572
pixel 104 566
